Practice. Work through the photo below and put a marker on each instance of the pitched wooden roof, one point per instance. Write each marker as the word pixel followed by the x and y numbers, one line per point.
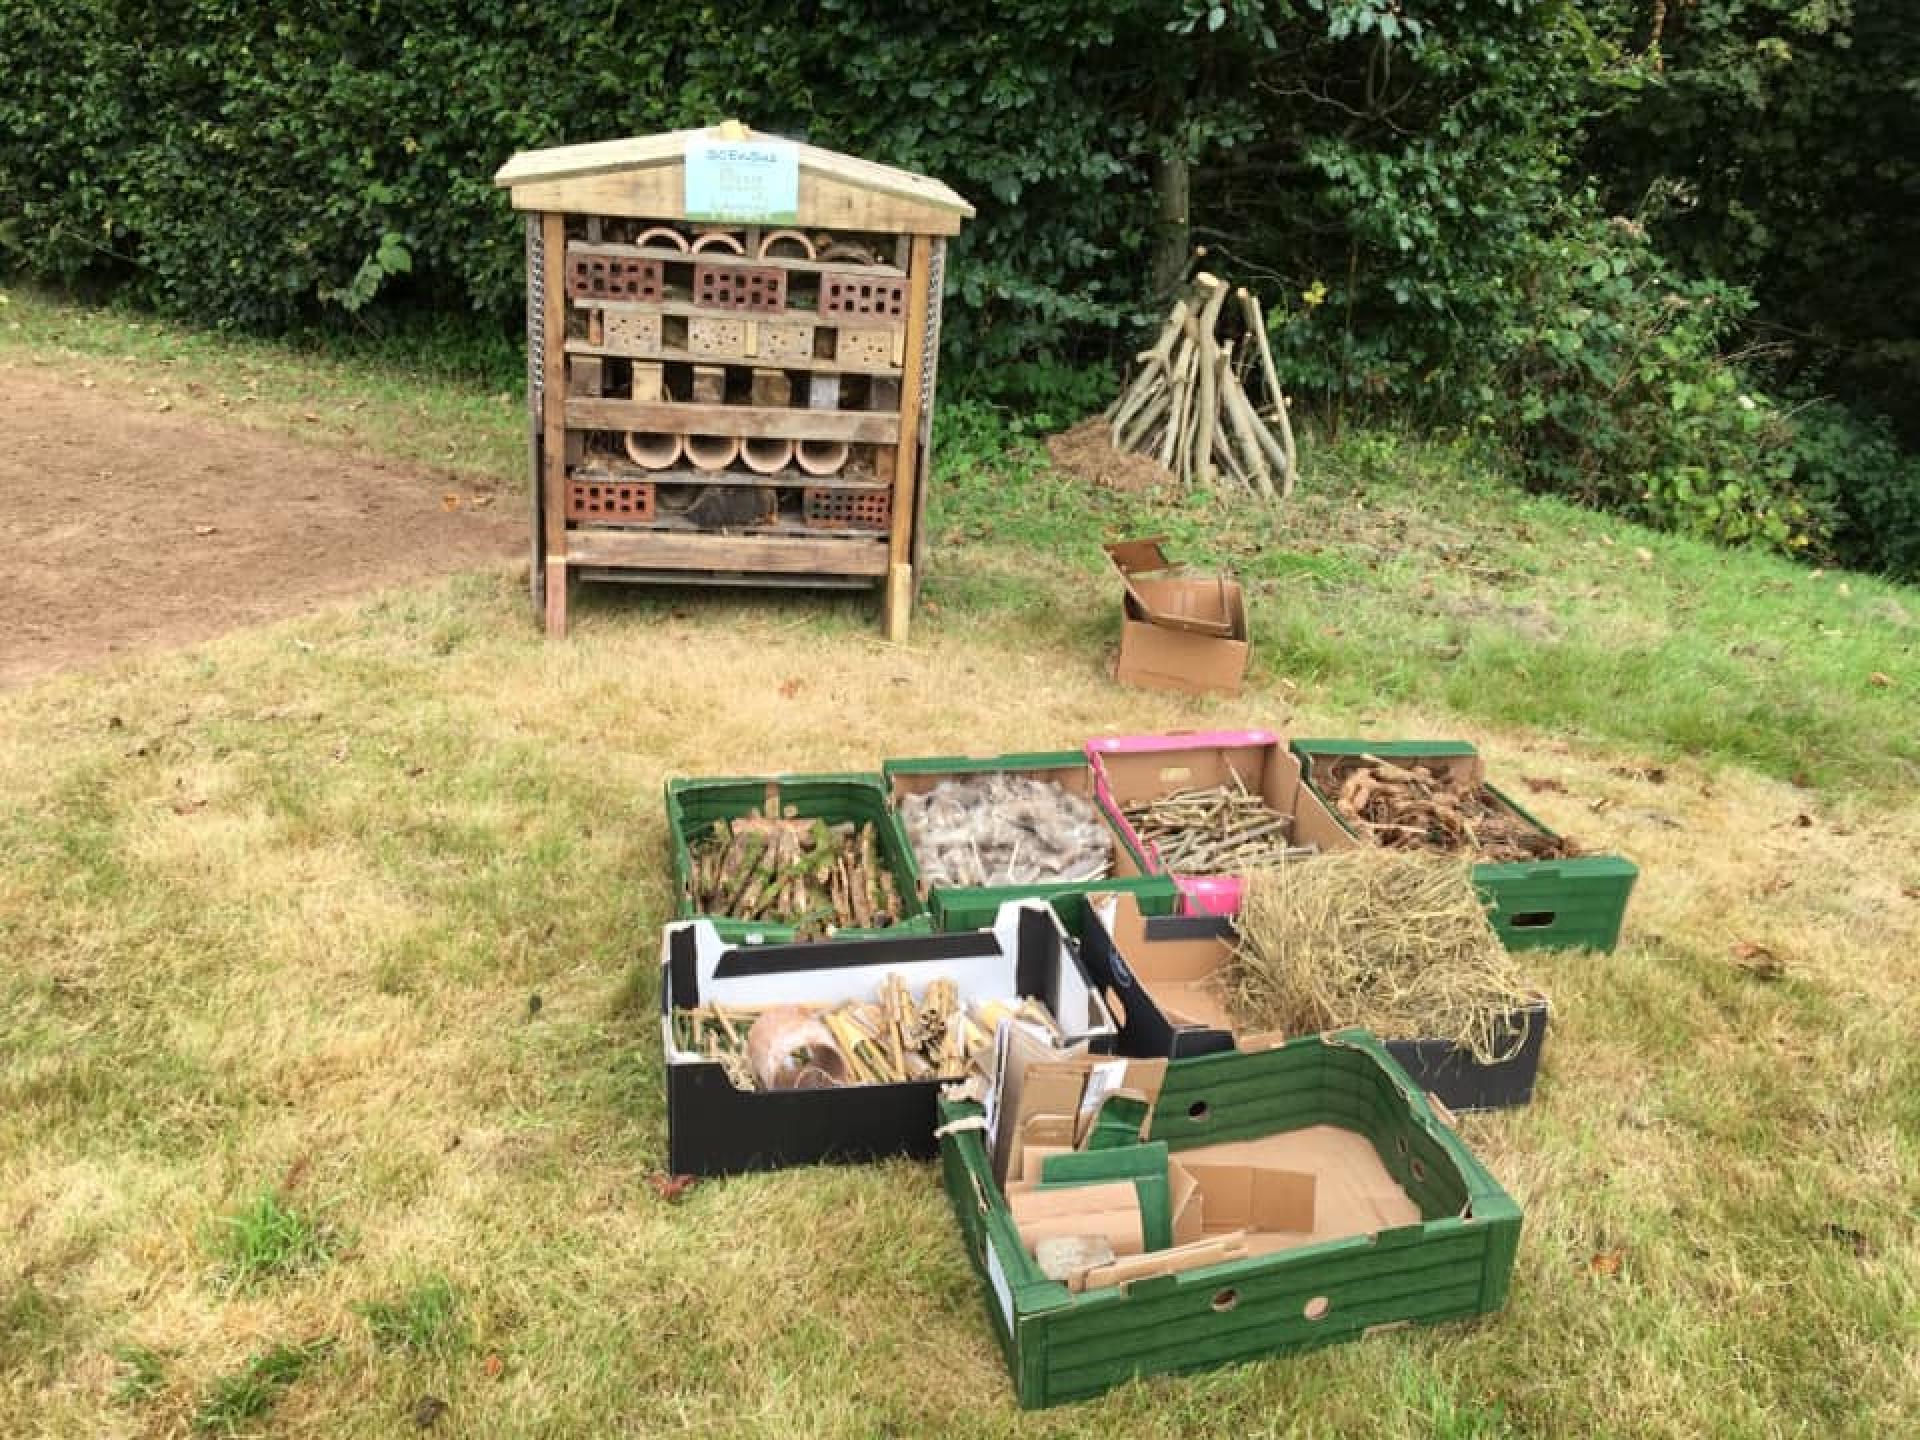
pixel 642 176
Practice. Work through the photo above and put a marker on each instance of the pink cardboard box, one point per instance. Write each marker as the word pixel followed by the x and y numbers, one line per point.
pixel 1133 769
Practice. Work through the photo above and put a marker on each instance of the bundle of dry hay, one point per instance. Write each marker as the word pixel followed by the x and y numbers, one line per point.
pixel 1395 942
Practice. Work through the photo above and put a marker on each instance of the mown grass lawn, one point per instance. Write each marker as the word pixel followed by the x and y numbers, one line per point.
pixel 287 1147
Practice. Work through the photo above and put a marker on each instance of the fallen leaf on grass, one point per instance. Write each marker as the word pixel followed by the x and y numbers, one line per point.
pixel 481 502
pixel 1912 892
pixel 1543 783
pixel 427 1411
pixel 1643 555
pixel 671 1187
pixel 1651 774
pixel 1757 960
pixel 1606 1263
pixel 450 501
pixel 185 806
pixel 1803 822
pixel 1846 1235
pixel 789 688
pixel 493 1365
pixel 206 529
pixel 1880 679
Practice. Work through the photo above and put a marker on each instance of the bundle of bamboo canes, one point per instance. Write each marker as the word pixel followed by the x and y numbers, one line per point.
pixel 1188 406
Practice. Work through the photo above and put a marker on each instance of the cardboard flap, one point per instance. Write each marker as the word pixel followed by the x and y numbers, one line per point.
pixel 1255 1197
pixel 1200 605
pixel 1110 1211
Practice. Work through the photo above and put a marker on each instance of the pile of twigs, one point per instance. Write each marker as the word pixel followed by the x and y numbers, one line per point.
pixel 1415 807
pixel 805 873
pixel 857 1042
pixel 1398 943
pixel 1223 829
pixel 1188 407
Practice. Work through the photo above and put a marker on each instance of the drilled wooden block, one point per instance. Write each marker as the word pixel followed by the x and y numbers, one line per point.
pixel 772 387
pixel 826 509
pixel 857 295
pixel 740 287
pixel 597 274
pixel 785 340
pixel 630 332
pixel 721 339
pixel 585 375
pixel 871 348
pixel 709 385
pixel 649 382
pixel 610 502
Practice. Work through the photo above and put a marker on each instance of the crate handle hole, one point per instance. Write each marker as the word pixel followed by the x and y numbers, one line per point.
pixel 1419 1170
pixel 1225 1300
pixel 1533 919
pixel 1317 1308
pixel 1400 1143
pixel 1199 1110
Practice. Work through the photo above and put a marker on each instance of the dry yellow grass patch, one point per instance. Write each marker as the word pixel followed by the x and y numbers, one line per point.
pixel 417 815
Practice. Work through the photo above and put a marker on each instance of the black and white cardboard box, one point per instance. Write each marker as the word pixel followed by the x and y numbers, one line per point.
pixel 714 1128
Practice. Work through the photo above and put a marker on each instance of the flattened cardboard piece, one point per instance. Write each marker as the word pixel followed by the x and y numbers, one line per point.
pixel 1254 1197
pixel 1194 1255
pixel 1110 1211
pixel 1081 1166
pixel 1353 1193
pixel 1185 1202
pixel 1196 604
pixel 1031 1077
pixel 1121 1120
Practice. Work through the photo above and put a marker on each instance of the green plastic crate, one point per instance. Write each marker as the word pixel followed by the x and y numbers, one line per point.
pixel 1537 904
pixel 1456 1262
pixel 973 907
pixel 693 806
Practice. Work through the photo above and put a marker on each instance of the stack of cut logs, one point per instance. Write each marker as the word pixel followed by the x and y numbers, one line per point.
pixel 800 872
pixel 1188 405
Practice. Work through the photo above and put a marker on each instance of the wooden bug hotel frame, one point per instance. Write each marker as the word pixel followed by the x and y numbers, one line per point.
pixel 731 353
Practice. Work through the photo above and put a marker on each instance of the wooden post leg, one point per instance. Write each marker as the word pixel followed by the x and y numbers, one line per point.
pixel 556 598
pixel 899 603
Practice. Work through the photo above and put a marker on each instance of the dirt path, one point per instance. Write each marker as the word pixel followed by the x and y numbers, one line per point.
pixel 126 528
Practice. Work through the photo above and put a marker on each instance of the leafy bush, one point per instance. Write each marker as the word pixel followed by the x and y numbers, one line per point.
pixel 1615 391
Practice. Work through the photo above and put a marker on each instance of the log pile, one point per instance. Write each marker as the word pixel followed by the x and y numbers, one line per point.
pixel 1188 405
pixel 1224 829
pixel 805 873
pixel 1413 807
pixel 887 1041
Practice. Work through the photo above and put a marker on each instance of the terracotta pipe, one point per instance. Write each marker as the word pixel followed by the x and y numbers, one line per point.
pixel 801 243
pixel 652 450
pixel 711 452
pixel 661 235
pixel 719 240
pixel 822 457
pixel 764 455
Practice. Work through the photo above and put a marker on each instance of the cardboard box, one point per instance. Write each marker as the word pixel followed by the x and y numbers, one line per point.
pixel 1536 904
pixel 715 1129
pixel 1407 1225
pixel 1162 973
pixel 968 907
pixel 1133 769
pixel 1178 632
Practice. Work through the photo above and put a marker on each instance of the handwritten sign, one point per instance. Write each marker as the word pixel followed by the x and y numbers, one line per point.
pixel 751 181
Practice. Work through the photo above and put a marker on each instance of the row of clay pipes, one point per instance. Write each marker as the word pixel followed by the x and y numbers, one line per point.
pixel 654 450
